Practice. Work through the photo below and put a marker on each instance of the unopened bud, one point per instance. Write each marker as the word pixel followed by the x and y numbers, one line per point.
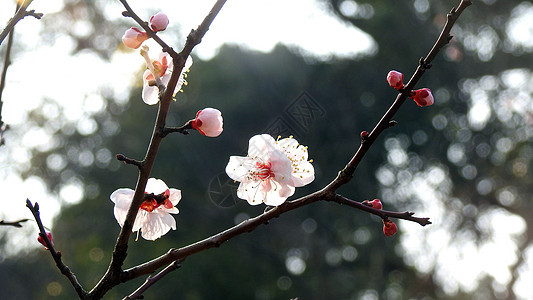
pixel 159 22
pixel 395 79
pixel 389 228
pixel 422 97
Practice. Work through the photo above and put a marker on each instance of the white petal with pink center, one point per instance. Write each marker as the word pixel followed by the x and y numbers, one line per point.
pixel 271 171
pixel 155 223
pixel 150 92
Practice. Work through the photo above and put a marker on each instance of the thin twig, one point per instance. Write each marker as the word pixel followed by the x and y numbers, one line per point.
pixel 13 223
pixel 130 13
pixel 56 255
pixel 129 161
pixel 183 129
pixel 384 214
pixel 7 62
pixel 19 15
pixel 151 280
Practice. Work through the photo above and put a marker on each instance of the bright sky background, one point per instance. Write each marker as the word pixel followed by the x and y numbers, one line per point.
pixel 256 25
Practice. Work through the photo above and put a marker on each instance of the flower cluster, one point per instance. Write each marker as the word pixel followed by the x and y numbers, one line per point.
pixel 271 171
pixel 422 97
pixel 153 218
pixel 389 228
pixel 134 37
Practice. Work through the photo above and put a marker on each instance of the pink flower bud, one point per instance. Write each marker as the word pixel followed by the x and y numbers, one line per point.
pixel 133 38
pixel 422 97
pixel 41 240
pixel 389 228
pixel 364 135
pixel 159 22
pixel 208 122
pixel 395 79
pixel 376 204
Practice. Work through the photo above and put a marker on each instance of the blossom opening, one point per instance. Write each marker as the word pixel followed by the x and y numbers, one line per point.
pixel 271 171
pixel 153 218
pixel 163 68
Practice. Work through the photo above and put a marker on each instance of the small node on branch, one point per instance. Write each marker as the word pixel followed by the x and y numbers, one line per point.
pixel 423 64
pixel 126 14
pixel 34 14
pixel 164 131
pixel 129 161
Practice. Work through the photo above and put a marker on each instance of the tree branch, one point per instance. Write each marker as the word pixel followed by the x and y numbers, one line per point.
pixel 130 13
pixel 384 214
pixel 14 223
pixel 183 129
pixel 328 192
pixel 114 273
pixel 19 15
pixel 7 62
pixel 137 294
pixel 56 255
pixel 346 174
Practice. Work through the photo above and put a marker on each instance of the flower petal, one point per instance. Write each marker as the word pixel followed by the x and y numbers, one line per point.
pixel 304 174
pixel 157 224
pixel 156 186
pixel 238 167
pixel 150 94
pixel 175 196
pixel 122 199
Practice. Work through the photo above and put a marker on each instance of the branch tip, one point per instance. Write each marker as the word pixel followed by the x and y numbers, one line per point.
pixel 129 161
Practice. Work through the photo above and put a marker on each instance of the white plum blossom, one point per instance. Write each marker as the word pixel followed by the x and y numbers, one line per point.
pixel 159 72
pixel 271 171
pixel 208 122
pixel 153 219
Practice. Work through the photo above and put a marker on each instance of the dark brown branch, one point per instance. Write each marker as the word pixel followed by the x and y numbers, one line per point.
pixel 55 254
pixel 251 224
pixel 386 121
pixel 183 129
pixel 384 214
pixel 137 294
pixel 13 223
pixel 114 273
pixel 218 239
